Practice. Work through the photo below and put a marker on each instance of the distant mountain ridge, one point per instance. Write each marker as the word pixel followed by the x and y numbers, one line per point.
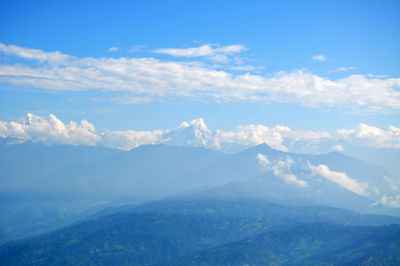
pixel 153 171
pixel 23 163
pixel 48 186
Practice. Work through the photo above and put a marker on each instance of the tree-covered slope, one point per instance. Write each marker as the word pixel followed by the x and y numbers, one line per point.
pixel 163 231
pixel 308 244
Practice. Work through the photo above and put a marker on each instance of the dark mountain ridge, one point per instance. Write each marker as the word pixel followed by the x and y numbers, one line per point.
pixel 163 231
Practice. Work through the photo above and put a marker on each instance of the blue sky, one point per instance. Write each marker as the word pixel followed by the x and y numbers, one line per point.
pixel 332 48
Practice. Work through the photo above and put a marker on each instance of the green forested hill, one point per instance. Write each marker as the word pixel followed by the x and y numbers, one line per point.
pixel 310 244
pixel 164 231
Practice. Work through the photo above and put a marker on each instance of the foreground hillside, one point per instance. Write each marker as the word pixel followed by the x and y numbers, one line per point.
pixel 310 244
pixel 166 231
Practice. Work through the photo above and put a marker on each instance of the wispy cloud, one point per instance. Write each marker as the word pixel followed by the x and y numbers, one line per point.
pixel 390 201
pixel 338 148
pixel 394 185
pixel 150 77
pixel 55 58
pixel 137 48
pixel 113 49
pixel 343 69
pixel 205 50
pixel 319 58
pixel 282 169
pixel 262 159
pixel 215 54
pixel 340 178
pixel 245 68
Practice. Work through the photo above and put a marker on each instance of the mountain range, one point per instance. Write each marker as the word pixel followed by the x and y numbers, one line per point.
pixel 178 205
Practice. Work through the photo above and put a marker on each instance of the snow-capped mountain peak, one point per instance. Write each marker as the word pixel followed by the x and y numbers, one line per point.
pixel 195 133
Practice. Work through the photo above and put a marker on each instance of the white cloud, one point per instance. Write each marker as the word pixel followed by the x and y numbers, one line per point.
pixel 262 159
pixel 282 169
pixel 245 68
pixel 338 148
pixel 137 48
pixel 390 201
pixel 319 58
pixel 297 135
pixel 215 54
pixel 132 100
pixel 376 76
pixel 113 49
pixel 393 184
pixel 339 178
pixel 35 54
pixel 50 130
pixel 194 133
pixel 205 50
pixel 343 69
pixel 365 135
pixel 251 135
pixel 129 139
pixel 169 80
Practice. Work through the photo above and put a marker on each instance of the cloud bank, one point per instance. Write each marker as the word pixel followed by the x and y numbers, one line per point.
pixel 51 130
pixel 155 79
pixel 365 135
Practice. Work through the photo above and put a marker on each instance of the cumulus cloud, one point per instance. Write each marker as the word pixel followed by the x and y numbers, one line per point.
pixel 365 135
pixel 171 80
pixel 50 130
pixel 282 169
pixel 319 57
pixel 251 135
pixel 340 178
